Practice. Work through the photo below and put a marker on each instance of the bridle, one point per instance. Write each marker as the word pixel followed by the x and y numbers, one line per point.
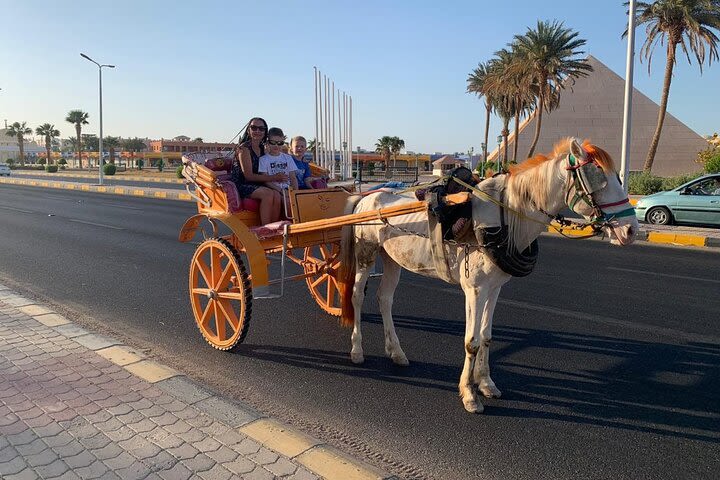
pixel 587 178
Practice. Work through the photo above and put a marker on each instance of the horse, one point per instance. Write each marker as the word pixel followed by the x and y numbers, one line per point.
pixel 579 176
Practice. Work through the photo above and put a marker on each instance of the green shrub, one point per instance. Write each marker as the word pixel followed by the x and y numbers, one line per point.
pixel 160 165
pixel 62 161
pixel 140 164
pixel 51 168
pixel 644 183
pixel 42 161
pixel 712 164
pixel 109 169
pixel 178 171
pixel 62 167
pixel 671 183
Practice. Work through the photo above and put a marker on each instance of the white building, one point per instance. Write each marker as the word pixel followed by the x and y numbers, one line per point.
pixel 9 148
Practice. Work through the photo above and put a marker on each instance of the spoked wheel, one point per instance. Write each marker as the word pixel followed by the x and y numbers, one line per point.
pixel 323 262
pixel 220 294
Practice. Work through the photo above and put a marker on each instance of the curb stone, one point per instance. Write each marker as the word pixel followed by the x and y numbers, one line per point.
pixel 312 453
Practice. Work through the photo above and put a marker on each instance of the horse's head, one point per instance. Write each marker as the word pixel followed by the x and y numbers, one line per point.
pixel 595 192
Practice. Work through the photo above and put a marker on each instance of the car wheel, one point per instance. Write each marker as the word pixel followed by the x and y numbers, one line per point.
pixel 659 216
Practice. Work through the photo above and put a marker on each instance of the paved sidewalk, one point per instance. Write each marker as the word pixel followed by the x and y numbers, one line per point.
pixel 74 405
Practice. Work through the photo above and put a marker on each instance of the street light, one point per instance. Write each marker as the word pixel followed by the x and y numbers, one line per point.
pixel 499 159
pixel 100 146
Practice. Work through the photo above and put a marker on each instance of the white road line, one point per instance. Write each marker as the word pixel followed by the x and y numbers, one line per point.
pixel 95 224
pixel 682 277
pixel 16 209
pixel 120 206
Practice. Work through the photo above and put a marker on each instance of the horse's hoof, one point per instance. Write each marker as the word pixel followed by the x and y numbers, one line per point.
pixel 473 406
pixel 490 391
pixel 357 358
pixel 400 359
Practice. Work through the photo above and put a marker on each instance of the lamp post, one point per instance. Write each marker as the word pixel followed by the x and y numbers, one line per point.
pixel 627 108
pixel 100 146
pixel 483 146
pixel 499 159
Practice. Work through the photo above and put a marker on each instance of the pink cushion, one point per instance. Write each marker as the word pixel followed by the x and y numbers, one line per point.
pixel 319 183
pixel 219 164
pixel 250 204
pixel 234 200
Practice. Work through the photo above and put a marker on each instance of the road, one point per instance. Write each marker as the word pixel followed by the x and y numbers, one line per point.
pixel 107 180
pixel 608 358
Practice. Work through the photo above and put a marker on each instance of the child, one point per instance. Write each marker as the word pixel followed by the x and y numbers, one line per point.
pixel 298 147
pixel 275 161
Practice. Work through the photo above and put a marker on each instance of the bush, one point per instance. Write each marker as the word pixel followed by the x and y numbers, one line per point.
pixel 671 183
pixel 160 165
pixel 42 161
pixel 62 161
pixel 109 169
pixel 644 183
pixel 140 164
pixel 51 168
pixel 178 172
pixel 62 167
pixel 712 165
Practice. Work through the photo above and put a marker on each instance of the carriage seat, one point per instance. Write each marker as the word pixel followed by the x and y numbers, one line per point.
pixel 221 164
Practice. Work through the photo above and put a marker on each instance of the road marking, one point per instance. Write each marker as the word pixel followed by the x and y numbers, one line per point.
pixel 96 224
pixel 121 206
pixel 657 274
pixel 16 209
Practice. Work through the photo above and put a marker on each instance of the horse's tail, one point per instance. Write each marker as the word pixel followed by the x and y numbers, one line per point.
pixel 346 274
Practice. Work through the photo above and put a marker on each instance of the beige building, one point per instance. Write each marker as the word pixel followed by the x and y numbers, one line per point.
pixel 593 109
pixel 9 148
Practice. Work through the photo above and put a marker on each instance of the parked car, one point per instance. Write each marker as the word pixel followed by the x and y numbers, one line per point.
pixel 4 170
pixel 697 201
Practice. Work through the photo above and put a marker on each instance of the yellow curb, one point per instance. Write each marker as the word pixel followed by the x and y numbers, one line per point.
pixel 120 355
pixel 33 310
pixel 52 319
pixel 572 233
pixel 184 196
pixel 101 189
pixel 279 437
pixel 139 193
pixel 676 238
pixel 119 190
pixel 332 464
pixel 85 188
pixel 160 195
pixel 151 371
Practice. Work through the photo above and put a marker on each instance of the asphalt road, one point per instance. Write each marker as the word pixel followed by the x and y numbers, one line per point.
pixel 608 358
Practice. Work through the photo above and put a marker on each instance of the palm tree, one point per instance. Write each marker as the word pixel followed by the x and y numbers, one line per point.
pixel 19 130
pixel 550 52
pixel 312 144
pixel 384 148
pixel 111 143
pixel 78 118
pixel 477 84
pixel 396 145
pixel 198 139
pixel 133 145
pixel 49 132
pixel 687 23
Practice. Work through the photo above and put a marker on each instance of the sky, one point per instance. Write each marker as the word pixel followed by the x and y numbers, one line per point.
pixel 203 69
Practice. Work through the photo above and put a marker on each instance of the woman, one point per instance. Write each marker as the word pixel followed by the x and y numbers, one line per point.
pixel 245 172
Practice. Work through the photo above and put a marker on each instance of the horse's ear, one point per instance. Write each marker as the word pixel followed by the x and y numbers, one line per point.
pixel 576 149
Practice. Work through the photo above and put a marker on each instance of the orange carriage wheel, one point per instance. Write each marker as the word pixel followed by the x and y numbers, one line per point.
pixel 220 294
pixel 323 262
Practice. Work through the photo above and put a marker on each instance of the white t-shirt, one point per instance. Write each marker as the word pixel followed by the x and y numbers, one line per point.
pixel 272 165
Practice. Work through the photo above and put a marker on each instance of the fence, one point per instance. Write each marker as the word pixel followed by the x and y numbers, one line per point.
pixel 396 174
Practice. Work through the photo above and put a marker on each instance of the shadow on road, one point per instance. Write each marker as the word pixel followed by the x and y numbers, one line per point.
pixel 651 387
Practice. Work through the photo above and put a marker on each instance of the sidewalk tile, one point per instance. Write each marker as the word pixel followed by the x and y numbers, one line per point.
pixel 199 463
pixel 95 342
pixel 227 412
pixel 151 371
pixel 183 389
pixel 52 319
pixel 33 310
pixel 120 354
pixel 240 466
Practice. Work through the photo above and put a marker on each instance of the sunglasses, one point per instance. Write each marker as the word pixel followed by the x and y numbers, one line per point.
pixel 278 143
pixel 257 128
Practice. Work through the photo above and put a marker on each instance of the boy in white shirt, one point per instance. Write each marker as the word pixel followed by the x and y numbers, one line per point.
pixel 276 161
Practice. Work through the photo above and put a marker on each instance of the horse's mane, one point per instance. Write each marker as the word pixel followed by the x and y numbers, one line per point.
pixel 561 148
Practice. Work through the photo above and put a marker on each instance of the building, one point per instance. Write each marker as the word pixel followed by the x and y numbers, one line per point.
pixel 9 148
pixel 444 164
pixel 593 109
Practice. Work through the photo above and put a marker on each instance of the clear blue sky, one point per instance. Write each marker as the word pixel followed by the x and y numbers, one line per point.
pixel 203 69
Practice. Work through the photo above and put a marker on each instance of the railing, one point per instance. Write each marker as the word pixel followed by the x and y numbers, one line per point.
pixel 396 174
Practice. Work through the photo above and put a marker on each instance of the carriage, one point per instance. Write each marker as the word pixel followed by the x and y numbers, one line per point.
pixel 228 272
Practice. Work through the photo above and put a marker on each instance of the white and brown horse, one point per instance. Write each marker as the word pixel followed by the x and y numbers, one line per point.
pixel 581 177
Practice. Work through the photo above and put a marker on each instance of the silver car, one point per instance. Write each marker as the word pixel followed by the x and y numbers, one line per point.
pixel 697 201
pixel 4 170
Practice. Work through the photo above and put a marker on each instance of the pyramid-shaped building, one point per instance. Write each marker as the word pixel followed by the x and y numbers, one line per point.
pixel 593 109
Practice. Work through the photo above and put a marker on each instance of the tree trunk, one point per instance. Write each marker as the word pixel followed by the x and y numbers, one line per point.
pixel 515 140
pixel 488 110
pixel 112 156
pixel 47 147
pixel 663 106
pixel 78 131
pixel 21 147
pixel 505 132
pixel 538 122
